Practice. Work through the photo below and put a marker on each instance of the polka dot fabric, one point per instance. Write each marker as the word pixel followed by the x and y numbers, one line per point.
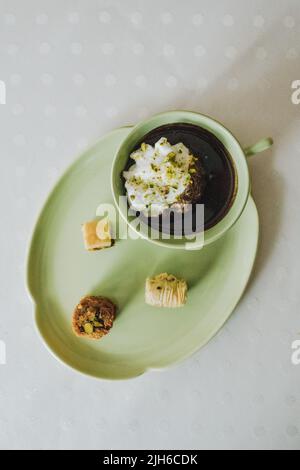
pixel 74 70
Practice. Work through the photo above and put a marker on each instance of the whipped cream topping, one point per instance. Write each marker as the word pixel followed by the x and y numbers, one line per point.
pixel 159 176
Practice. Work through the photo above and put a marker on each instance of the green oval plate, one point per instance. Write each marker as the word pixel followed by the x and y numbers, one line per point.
pixel 60 272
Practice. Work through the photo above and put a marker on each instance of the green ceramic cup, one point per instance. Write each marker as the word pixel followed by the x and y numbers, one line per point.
pixel 239 157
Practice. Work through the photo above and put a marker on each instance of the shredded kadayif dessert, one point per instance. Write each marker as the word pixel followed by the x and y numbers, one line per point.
pixel 165 290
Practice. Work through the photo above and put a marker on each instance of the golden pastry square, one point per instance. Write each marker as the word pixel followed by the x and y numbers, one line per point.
pixel 97 235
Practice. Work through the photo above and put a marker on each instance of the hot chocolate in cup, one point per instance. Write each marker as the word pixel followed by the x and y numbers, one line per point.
pixel 224 169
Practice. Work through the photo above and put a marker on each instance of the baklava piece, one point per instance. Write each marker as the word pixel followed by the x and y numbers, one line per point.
pixel 165 290
pixel 97 234
pixel 93 317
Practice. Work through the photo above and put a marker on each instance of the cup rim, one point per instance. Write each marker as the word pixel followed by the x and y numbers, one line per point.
pixel 242 193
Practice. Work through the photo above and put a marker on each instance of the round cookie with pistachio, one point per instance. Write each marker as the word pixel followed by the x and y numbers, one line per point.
pixel 93 317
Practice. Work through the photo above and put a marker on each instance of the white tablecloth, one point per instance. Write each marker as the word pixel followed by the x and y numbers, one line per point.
pixel 74 70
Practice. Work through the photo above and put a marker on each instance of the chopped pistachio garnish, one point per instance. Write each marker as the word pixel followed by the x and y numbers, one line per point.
pixel 171 155
pixel 88 328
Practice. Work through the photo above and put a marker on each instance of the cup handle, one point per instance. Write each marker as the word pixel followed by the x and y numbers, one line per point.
pixel 260 146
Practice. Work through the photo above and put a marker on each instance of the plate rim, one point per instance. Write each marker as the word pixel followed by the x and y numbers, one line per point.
pixel 43 206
